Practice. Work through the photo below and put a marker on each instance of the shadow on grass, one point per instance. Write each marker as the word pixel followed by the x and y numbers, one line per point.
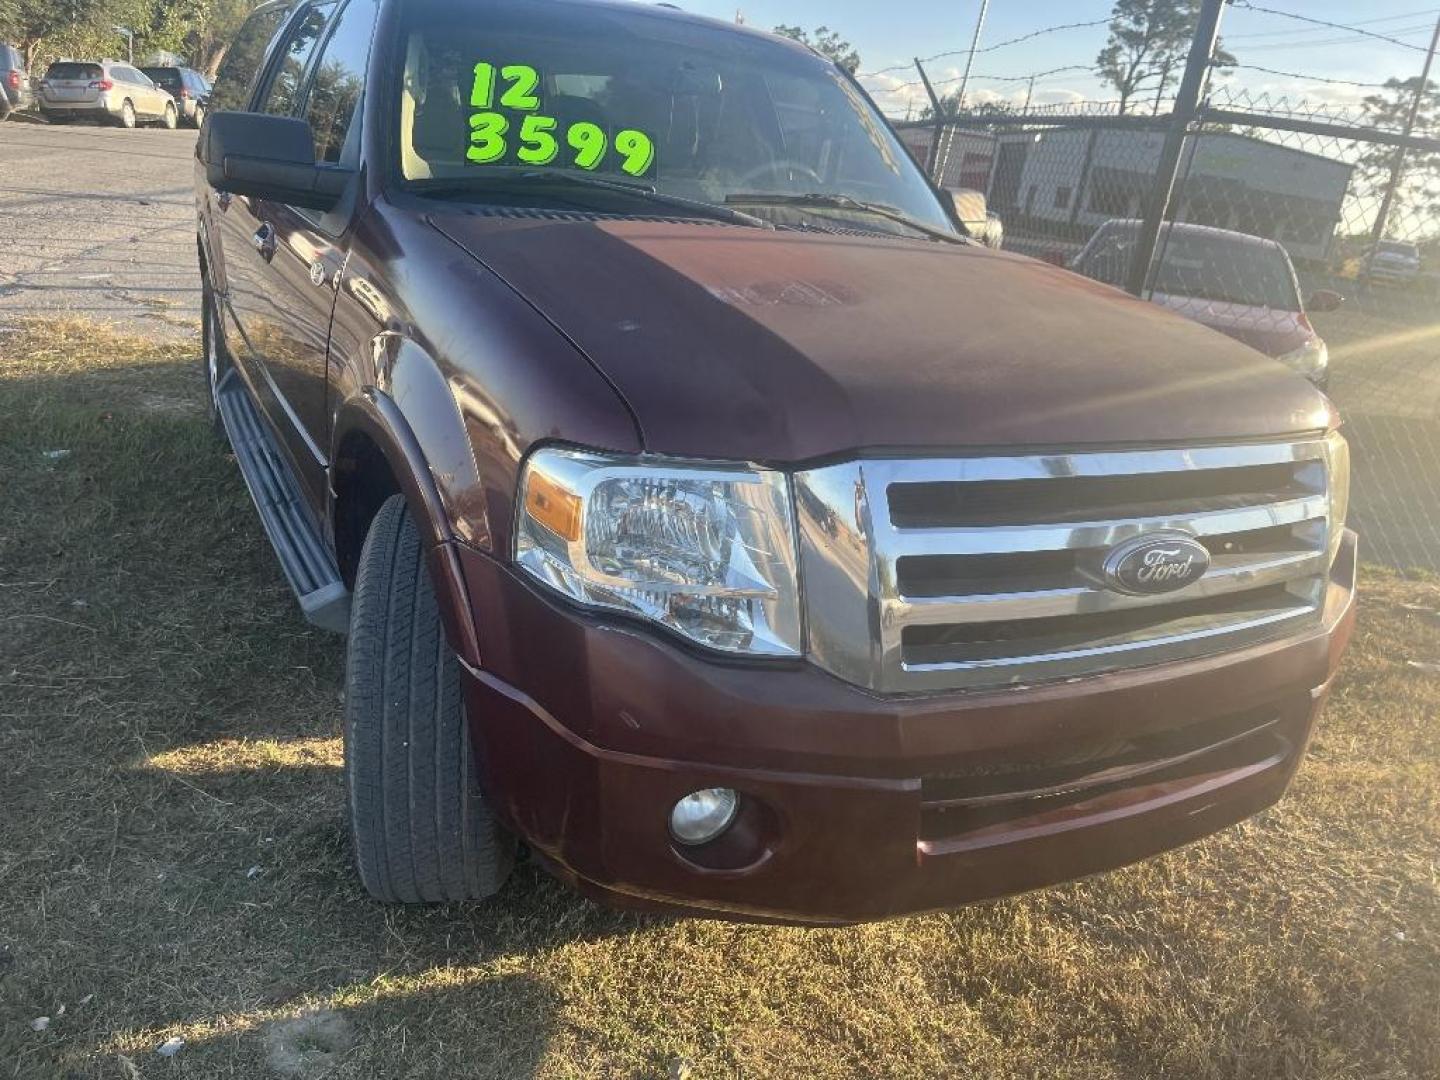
pixel 173 840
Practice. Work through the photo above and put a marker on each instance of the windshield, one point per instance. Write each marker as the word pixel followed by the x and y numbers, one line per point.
pixel 691 109
pixel 1395 247
pixel 1203 266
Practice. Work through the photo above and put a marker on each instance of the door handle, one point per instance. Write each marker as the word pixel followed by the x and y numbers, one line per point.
pixel 264 241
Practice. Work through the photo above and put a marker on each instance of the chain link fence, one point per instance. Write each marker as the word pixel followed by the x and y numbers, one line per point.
pixel 1273 235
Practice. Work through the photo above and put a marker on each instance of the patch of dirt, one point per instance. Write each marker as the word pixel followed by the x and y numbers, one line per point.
pixel 309 1045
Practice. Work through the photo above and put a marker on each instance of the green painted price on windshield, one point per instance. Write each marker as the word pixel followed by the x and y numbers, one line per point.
pixel 537 139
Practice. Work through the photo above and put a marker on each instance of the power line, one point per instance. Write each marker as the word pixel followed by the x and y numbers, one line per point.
pixel 1310 43
pixel 991 48
pixel 1324 22
pixel 1358 22
pixel 1354 28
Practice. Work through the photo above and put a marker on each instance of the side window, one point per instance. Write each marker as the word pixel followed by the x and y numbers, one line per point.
pixel 1108 257
pixel 244 57
pixel 284 92
pixel 333 102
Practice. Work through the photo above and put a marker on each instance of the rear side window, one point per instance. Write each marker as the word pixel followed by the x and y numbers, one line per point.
pixel 333 101
pixel 74 71
pixel 246 54
pixel 284 92
pixel 169 78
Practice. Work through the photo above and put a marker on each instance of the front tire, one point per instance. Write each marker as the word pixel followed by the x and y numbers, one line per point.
pixel 421 828
pixel 171 121
pixel 214 360
pixel 198 120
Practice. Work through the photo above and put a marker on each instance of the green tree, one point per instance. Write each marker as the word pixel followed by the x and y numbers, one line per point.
pixel 1418 192
pixel 827 43
pixel 210 35
pixel 950 105
pixel 1148 45
pixel 43 29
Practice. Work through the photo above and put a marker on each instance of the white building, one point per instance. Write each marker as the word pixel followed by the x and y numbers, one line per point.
pixel 1077 179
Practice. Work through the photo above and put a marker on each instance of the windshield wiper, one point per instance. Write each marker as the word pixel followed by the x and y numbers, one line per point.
pixel 645 192
pixel 826 201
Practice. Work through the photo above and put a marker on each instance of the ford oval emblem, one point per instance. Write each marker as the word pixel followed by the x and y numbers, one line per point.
pixel 1156 563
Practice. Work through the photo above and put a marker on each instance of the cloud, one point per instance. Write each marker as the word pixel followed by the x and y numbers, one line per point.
pixel 900 93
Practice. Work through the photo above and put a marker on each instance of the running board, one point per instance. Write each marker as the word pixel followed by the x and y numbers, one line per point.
pixel 304 557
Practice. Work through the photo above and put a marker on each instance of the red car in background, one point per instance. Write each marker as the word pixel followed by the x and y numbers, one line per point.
pixel 1244 286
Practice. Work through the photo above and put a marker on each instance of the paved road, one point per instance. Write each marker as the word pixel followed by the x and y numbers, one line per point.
pixel 99 222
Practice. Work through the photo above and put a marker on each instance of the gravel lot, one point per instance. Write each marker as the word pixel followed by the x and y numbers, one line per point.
pixel 98 222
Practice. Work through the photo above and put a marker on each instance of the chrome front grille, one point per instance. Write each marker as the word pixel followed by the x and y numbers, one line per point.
pixel 935 574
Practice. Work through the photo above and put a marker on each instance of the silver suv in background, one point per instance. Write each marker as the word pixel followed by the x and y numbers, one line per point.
pixel 104 91
pixel 1394 262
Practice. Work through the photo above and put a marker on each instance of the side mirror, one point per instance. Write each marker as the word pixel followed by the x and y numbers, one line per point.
pixel 268 157
pixel 1325 300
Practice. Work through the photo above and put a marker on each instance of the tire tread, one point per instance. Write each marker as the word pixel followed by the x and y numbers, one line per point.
pixel 421 830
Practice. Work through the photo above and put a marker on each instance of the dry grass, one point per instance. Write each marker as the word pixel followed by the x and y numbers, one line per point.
pixel 172 858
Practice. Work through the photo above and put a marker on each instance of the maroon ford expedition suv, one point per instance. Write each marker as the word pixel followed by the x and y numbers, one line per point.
pixel 708 516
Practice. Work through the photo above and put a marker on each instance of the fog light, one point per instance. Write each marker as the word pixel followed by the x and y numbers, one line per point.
pixel 701 816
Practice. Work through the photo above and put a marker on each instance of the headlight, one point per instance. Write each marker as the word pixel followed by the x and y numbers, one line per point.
pixel 707 551
pixel 1310 360
pixel 1337 463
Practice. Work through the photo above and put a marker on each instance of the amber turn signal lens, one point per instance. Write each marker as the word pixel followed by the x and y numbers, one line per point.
pixel 552 506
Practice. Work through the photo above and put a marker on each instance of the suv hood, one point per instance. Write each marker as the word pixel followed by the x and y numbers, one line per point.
pixel 731 342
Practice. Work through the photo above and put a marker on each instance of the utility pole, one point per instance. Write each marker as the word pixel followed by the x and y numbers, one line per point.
pixel 970 59
pixel 937 114
pixel 1029 94
pixel 129 41
pixel 1397 169
pixel 1187 107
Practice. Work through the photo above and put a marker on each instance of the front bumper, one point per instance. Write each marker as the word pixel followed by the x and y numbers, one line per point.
pixel 861 807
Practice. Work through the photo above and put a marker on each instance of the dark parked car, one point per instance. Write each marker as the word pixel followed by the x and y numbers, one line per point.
pixel 14 82
pixel 706 514
pixel 1244 286
pixel 188 87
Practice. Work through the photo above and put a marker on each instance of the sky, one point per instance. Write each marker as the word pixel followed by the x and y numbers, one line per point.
pixel 893 34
